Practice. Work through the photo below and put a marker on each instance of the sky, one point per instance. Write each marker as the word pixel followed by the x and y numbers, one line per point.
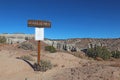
pixel 69 18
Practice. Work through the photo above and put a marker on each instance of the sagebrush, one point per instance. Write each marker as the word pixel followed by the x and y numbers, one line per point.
pixel 50 49
pixel 44 65
pixel 99 51
pixel 27 57
pixel 26 46
pixel 115 54
pixel 2 39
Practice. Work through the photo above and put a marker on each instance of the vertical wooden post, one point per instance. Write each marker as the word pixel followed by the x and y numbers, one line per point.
pixel 38 59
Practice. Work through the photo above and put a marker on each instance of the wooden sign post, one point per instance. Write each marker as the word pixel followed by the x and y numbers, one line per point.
pixel 39 32
pixel 38 59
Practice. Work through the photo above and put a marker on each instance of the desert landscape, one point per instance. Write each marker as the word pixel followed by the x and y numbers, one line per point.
pixel 14 64
pixel 59 39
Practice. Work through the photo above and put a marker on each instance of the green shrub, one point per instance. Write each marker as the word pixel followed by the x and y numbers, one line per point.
pixel 115 54
pixel 98 51
pixel 50 49
pixel 2 39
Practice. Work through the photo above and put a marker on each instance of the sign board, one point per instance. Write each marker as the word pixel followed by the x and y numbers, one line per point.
pixel 39 33
pixel 39 23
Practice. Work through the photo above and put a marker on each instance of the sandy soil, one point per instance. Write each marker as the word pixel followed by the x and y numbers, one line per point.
pixel 68 67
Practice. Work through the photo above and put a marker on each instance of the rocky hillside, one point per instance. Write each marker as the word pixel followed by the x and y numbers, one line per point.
pixel 84 43
pixel 76 44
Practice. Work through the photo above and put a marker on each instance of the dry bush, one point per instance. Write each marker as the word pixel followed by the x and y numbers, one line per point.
pixel 44 65
pixel 55 65
pixel 78 54
pixel 27 46
pixel 99 59
pixel 27 57
pixel 34 55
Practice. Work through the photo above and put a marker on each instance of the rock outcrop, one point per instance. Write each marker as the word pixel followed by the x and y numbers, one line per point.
pixel 71 45
pixel 17 38
pixel 82 44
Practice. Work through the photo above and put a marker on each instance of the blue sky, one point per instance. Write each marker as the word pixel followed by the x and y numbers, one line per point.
pixel 70 18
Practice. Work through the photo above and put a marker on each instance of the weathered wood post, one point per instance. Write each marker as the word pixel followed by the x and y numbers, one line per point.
pixel 38 59
pixel 39 32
